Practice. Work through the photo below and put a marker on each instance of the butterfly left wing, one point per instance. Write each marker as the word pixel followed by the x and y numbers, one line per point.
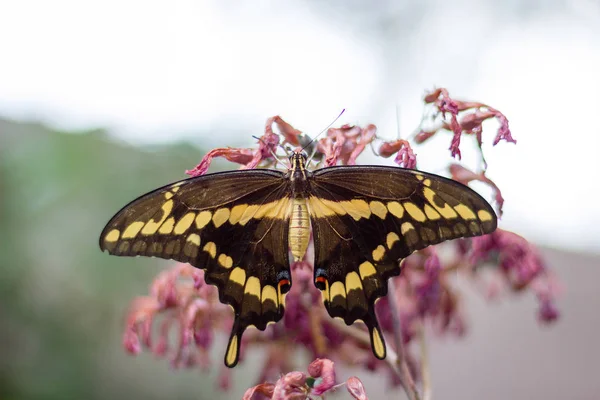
pixel 233 225
pixel 366 220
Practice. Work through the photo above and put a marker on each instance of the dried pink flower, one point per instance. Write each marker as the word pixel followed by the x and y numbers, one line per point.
pixel 180 299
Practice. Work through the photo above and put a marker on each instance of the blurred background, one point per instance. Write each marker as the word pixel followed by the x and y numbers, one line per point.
pixel 101 101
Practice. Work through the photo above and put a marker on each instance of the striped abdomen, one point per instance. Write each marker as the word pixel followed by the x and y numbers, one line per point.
pixel 299 231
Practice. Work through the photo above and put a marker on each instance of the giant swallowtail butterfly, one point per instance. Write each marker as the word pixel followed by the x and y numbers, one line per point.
pixel 241 226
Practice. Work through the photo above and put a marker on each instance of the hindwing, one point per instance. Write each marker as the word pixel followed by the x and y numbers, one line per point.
pixel 366 220
pixel 234 225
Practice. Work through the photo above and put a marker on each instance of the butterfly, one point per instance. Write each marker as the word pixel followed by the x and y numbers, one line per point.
pixel 242 227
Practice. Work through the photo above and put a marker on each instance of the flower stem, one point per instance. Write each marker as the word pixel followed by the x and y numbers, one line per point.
pixel 425 371
pixel 408 383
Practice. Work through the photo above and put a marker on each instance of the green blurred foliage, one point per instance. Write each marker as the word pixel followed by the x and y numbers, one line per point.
pixel 62 301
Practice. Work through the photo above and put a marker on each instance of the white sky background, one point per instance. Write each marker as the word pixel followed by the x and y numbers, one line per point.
pixel 163 70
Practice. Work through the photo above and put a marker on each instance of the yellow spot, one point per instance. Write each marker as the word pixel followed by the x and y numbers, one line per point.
pixel 378 253
pixel 167 227
pixel 337 289
pixel 220 216
pixel 358 209
pixel 366 270
pixel 184 223
pixel 407 226
pixel 248 214
pixel 194 239
pixel 225 260
pixel 168 195
pixel 112 236
pixel 232 348
pixel 484 215
pixel 391 238
pixel 269 293
pixel 132 230
pixel 378 208
pixel 415 212
pixel 396 209
pixel 175 186
pixel 211 248
pixel 236 213
pixel 446 211
pixel 352 282
pixel 320 208
pixel 378 344
pixel 465 212
pixel 274 209
pixel 253 287
pixel 427 182
pixel 203 219
pixel 419 177
pixel 151 226
pixel 238 276
pixel 431 213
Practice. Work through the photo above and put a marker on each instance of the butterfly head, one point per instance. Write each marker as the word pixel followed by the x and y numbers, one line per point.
pixel 298 165
pixel 298 161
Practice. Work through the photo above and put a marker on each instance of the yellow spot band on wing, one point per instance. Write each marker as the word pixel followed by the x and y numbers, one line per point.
pixel 431 213
pixel 211 248
pixel 352 282
pixel 220 216
pixel 484 215
pixel 151 226
pixel 378 208
pixel 238 276
pixel 391 238
pixel 446 211
pixel 378 253
pixel 465 212
pixel 225 261
pixel 112 236
pixel 366 270
pixel 184 223
pixel 269 293
pixel 337 289
pixel 194 239
pixel 203 219
pixel 415 212
pixel 396 209
pixel 167 227
pixel 132 230
pixel 357 208
pixel 249 212
pixel 236 213
pixel 405 227
pixel 253 287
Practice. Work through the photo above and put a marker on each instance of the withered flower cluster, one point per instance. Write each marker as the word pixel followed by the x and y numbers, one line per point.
pixel 423 295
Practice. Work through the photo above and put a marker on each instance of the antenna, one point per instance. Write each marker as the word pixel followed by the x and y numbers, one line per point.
pixel 328 126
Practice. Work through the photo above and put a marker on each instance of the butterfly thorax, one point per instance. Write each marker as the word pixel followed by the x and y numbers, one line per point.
pixel 299 230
